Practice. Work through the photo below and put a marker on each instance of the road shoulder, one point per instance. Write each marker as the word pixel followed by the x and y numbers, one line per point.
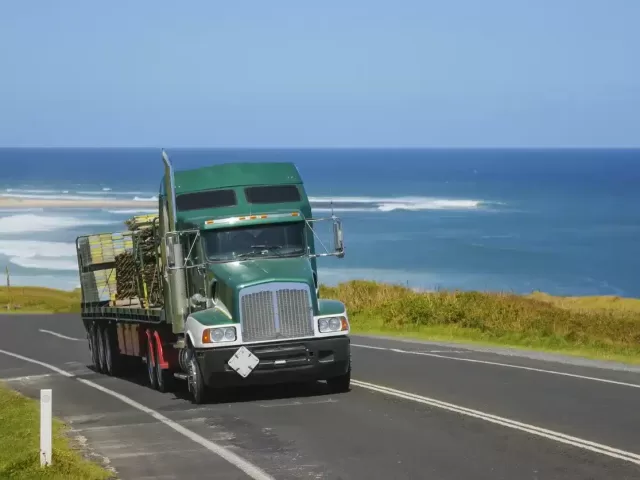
pixel 500 351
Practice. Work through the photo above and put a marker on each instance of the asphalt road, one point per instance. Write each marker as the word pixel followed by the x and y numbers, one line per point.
pixel 415 411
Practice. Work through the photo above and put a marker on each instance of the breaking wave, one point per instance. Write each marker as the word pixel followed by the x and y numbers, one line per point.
pixel 63 196
pixel 132 211
pixel 383 204
pixel 28 222
pixel 142 199
pixel 106 194
pixel 390 204
pixel 40 254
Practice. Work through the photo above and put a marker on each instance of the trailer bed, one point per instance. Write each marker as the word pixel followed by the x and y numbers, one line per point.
pixel 124 314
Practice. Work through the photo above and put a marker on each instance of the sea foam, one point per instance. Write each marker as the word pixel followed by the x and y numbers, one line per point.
pixel 28 222
pixel 40 254
pixel 390 204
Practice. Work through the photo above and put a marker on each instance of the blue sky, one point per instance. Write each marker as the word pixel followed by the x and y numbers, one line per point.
pixel 408 73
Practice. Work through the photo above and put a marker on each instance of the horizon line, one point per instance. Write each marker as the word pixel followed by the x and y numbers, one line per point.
pixel 355 147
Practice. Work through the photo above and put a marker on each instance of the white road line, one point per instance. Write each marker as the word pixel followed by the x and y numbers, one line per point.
pixel 297 403
pixel 541 432
pixel 250 469
pixel 371 347
pixel 508 365
pixel 61 336
pixel 26 377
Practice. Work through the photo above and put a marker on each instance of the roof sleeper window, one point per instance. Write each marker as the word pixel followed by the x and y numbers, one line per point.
pixel 208 199
pixel 272 194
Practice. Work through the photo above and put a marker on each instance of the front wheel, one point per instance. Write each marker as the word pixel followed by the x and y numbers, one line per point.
pixel 195 381
pixel 341 383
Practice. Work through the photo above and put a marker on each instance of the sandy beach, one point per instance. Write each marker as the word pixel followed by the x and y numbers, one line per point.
pixel 61 203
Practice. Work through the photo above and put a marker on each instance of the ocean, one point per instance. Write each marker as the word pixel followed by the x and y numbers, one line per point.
pixel 565 222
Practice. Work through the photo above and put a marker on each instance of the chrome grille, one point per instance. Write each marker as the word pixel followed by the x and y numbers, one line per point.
pixel 258 316
pixel 294 312
pixel 276 311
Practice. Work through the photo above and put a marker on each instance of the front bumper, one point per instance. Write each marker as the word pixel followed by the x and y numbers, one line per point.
pixel 280 362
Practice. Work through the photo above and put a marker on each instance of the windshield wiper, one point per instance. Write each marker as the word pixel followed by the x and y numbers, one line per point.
pixel 259 247
pixel 267 247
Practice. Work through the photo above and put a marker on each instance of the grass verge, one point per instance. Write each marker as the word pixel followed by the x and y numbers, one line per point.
pixel 20 445
pixel 606 328
pixel 38 300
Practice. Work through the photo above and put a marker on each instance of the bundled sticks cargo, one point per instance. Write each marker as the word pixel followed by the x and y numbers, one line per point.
pixel 137 269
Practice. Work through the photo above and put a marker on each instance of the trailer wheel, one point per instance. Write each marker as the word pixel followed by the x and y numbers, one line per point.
pixel 195 381
pixel 111 352
pixel 151 371
pixel 101 364
pixel 93 347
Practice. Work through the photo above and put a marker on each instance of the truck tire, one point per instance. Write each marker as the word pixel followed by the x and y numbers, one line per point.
pixel 93 347
pixel 164 378
pixel 99 338
pixel 151 371
pixel 111 352
pixel 341 383
pixel 195 382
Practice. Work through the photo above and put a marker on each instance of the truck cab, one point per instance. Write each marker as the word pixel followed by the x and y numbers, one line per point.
pixel 240 279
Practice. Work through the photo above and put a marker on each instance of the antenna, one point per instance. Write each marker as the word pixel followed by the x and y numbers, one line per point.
pixel 331 202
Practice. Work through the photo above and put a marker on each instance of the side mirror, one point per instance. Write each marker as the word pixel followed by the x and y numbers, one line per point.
pixel 338 238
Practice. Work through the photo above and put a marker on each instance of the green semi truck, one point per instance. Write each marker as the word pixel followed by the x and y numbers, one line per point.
pixel 220 287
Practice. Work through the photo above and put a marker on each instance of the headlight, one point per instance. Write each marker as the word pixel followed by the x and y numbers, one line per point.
pixel 219 334
pixel 335 324
pixel 323 325
pixel 332 324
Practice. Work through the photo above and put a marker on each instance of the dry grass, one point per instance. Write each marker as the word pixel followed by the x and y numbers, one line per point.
pixel 593 303
pixel 599 327
pixel 38 300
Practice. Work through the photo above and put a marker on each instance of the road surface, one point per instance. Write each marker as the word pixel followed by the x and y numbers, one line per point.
pixel 415 411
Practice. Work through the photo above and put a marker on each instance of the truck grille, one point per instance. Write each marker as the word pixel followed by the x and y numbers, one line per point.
pixel 276 311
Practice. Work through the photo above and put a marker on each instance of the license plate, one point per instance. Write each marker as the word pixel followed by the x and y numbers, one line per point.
pixel 243 362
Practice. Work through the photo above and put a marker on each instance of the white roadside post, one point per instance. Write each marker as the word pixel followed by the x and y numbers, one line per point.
pixel 45 427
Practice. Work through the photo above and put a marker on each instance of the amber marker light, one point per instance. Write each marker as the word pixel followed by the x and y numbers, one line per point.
pixel 206 336
pixel 345 324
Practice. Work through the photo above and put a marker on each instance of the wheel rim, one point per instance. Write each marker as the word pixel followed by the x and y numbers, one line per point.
pixel 193 374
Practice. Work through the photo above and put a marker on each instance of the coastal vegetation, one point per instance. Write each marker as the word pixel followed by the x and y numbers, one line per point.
pixel 597 327
pixel 38 300
pixel 604 327
pixel 20 445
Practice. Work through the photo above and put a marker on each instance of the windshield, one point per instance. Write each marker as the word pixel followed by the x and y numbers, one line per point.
pixel 270 240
